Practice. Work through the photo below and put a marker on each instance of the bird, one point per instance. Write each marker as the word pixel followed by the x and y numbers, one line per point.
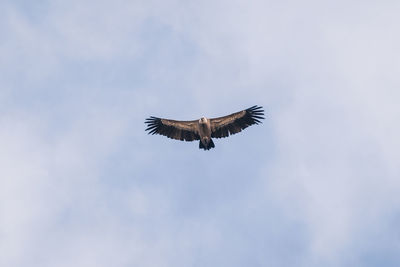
pixel 204 129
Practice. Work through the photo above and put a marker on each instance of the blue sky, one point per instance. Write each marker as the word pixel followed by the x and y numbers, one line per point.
pixel 82 184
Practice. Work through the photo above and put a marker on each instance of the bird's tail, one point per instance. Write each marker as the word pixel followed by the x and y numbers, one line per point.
pixel 208 147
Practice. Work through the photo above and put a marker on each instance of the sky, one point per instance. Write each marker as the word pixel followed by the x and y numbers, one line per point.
pixel 82 184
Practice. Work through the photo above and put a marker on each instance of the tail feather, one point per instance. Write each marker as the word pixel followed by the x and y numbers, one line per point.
pixel 208 147
pixel 211 144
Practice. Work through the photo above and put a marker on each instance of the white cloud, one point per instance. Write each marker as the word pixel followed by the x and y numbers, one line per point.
pixel 43 177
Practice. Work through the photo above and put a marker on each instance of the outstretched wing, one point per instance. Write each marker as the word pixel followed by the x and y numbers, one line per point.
pixel 179 130
pixel 236 122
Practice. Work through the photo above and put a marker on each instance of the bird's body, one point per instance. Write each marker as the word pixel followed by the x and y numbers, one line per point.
pixel 205 129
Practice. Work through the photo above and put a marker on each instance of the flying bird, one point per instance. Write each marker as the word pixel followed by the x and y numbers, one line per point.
pixel 204 129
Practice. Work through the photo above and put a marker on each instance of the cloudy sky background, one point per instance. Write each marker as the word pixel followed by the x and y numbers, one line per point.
pixel 81 184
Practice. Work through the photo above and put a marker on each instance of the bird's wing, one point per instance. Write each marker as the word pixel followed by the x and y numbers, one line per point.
pixel 236 122
pixel 179 130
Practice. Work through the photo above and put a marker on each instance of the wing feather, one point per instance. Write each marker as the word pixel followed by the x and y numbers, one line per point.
pixel 179 130
pixel 236 122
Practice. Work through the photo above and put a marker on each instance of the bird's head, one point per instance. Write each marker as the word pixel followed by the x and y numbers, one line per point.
pixel 203 120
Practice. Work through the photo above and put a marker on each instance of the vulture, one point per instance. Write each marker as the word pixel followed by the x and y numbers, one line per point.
pixel 205 129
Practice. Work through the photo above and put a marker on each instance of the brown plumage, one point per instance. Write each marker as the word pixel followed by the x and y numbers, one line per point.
pixel 204 129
